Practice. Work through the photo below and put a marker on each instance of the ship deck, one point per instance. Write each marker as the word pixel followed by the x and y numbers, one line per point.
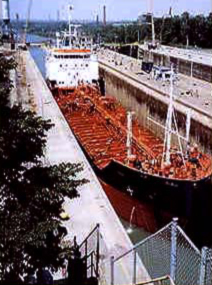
pixel 100 125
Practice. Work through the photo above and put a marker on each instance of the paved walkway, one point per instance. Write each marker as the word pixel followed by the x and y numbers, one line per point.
pixel 190 91
pixel 93 206
pixel 202 56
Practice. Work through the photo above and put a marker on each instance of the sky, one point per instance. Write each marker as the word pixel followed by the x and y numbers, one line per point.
pixel 116 9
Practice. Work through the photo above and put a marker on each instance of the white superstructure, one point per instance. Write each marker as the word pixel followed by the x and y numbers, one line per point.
pixel 72 60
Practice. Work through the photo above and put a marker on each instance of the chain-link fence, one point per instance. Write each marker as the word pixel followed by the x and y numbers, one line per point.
pixel 207 267
pixel 167 252
pixel 188 260
pixel 159 245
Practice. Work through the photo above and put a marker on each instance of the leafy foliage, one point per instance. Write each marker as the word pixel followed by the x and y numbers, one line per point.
pixel 6 64
pixel 31 194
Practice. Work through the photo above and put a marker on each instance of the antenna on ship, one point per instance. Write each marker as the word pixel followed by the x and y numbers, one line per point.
pixel 188 124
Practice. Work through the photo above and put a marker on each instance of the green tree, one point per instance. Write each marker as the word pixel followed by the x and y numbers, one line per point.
pixel 31 194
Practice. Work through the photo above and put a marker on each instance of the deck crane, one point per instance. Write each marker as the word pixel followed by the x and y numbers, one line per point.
pixel 150 13
pixel 165 16
pixel 151 4
pixel 27 20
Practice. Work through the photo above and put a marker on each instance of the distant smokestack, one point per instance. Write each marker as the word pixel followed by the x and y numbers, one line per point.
pixel 97 20
pixel 170 11
pixel 104 15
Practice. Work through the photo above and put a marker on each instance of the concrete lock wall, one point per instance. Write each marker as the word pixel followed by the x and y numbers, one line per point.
pixel 144 105
pixel 200 71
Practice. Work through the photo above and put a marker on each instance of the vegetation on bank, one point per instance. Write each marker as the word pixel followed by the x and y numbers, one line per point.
pixel 176 30
pixel 32 193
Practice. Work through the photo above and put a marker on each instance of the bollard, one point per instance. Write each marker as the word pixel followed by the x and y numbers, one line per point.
pixel 112 270
pixel 134 267
pixel 97 250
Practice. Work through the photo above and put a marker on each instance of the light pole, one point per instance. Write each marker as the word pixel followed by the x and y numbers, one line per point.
pixel 116 37
pixel 165 16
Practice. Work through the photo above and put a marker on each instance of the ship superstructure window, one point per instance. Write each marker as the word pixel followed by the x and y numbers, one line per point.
pixel 72 56
pixel 67 42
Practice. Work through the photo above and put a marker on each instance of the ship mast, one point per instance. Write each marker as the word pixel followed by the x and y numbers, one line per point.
pixel 70 8
pixel 151 5
pixel 188 124
pixel 171 118
pixel 168 129
pixel 153 29
pixel 129 134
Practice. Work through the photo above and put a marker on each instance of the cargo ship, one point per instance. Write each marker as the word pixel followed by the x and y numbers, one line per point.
pixel 129 156
pixel 122 152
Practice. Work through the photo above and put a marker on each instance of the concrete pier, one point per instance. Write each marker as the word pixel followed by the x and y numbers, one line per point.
pixel 93 206
pixel 141 93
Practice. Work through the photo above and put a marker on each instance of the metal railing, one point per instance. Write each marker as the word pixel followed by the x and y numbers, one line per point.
pixel 89 249
pixel 169 252
pixel 89 253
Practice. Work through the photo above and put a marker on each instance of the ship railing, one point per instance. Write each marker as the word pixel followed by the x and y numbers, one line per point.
pixel 168 252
